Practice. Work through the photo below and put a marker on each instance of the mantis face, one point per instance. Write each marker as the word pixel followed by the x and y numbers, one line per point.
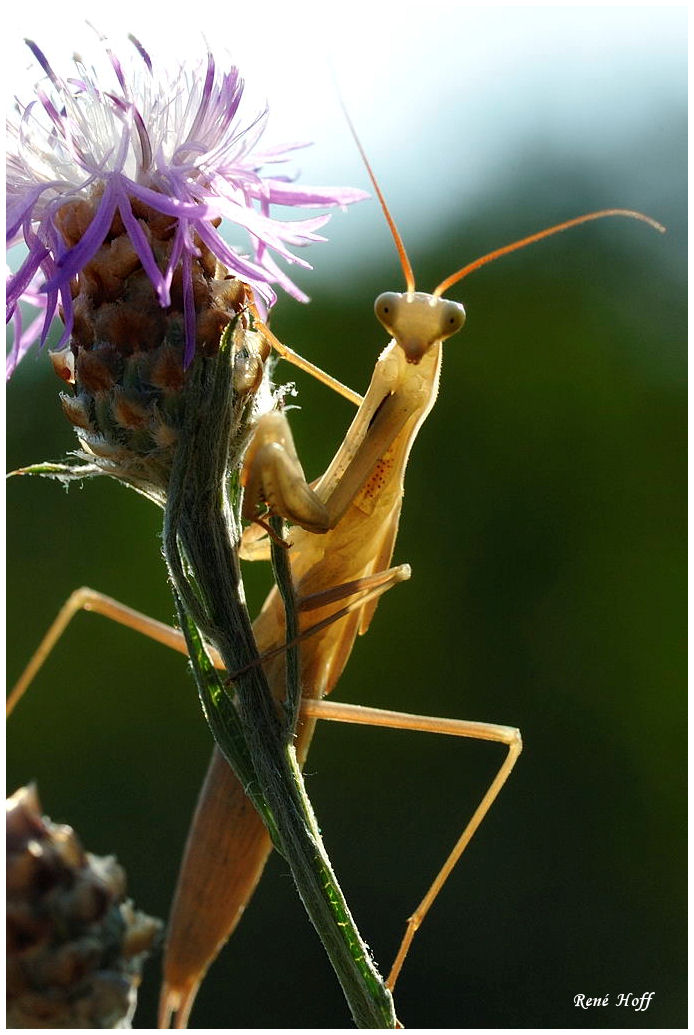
pixel 417 320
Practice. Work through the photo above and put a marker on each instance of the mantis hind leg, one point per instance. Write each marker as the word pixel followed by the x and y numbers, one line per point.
pixel 507 735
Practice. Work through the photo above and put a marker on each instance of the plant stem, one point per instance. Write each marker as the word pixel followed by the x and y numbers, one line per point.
pixel 201 534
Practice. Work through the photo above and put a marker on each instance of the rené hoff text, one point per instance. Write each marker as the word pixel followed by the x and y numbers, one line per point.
pixel 636 1002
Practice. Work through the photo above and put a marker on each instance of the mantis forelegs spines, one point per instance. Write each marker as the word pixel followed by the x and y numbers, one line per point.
pixel 251 853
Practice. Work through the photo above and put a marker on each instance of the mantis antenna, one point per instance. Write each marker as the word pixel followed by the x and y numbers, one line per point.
pixel 498 252
pixel 490 256
pixel 402 253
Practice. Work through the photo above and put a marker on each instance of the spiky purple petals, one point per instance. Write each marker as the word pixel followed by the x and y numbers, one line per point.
pixel 176 145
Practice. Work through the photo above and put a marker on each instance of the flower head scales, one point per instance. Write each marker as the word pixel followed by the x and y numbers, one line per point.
pixel 161 160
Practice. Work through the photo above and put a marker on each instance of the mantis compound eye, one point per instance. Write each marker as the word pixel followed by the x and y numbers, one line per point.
pixel 451 317
pixel 386 308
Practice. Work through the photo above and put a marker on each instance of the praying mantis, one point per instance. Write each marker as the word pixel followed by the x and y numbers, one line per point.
pixel 342 543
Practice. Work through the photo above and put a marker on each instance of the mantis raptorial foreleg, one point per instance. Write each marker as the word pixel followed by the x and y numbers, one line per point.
pixel 87 599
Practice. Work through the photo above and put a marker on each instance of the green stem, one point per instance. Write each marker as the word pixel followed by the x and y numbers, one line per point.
pixel 221 715
pixel 201 535
pixel 295 833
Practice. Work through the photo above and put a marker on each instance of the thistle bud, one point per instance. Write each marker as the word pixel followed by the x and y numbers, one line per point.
pixel 75 944
pixel 118 184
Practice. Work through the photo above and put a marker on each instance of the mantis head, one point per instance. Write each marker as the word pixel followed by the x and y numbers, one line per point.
pixel 417 320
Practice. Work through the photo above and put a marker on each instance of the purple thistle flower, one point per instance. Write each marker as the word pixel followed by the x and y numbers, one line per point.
pixel 161 159
pixel 24 337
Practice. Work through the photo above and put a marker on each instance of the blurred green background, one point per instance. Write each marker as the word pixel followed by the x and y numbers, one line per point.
pixel 544 522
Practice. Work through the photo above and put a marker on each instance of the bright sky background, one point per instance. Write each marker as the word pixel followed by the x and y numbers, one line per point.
pixel 443 94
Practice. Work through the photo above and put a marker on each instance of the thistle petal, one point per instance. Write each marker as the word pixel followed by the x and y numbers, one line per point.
pixel 176 144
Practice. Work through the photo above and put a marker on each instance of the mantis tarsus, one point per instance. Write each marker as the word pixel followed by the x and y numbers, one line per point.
pixel 356 507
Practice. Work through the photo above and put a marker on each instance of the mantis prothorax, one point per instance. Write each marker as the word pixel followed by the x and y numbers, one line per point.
pixel 346 524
